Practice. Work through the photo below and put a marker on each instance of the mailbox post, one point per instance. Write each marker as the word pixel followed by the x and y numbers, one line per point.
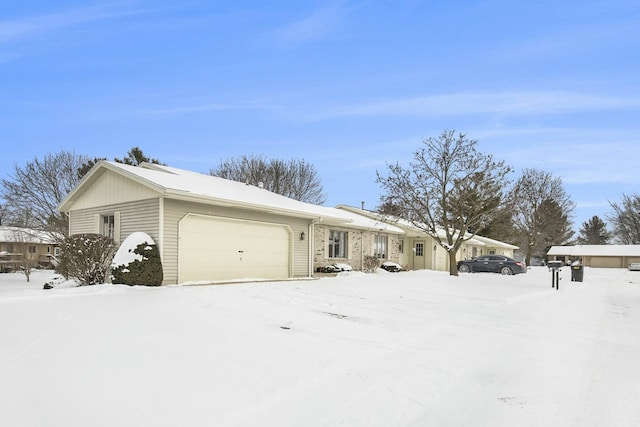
pixel 554 267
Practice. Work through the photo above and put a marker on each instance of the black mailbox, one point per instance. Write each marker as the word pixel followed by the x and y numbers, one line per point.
pixel 554 265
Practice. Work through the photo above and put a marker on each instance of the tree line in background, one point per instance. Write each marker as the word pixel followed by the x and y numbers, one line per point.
pixel 449 186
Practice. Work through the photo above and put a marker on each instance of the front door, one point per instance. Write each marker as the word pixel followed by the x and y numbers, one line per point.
pixel 419 262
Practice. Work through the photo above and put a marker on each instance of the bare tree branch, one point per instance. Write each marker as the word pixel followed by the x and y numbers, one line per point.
pixel 293 178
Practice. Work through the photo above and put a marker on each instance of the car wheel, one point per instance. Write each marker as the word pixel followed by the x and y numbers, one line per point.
pixel 464 268
pixel 506 271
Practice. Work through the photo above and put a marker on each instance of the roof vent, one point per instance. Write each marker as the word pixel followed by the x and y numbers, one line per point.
pixel 261 184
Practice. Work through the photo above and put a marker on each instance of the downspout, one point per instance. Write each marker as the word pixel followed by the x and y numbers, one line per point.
pixel 312 239
pixel 362 249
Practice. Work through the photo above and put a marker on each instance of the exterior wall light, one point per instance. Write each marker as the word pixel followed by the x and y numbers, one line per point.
pixel 302 236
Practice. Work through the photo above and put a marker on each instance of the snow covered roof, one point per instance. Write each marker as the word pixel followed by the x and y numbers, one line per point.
pixel 493 243
pixel 595 250
pixel 25 235
pixel 409 227
pixel 193 186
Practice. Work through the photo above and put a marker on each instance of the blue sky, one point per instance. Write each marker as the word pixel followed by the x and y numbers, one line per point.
pixel 345 85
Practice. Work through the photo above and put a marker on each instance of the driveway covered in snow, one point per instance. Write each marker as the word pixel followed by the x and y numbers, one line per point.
pixel 403 349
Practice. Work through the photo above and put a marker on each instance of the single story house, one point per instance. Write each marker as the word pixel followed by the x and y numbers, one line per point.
pixel 418 249
pixel 17 243
pixel 212 229
pixel 602 256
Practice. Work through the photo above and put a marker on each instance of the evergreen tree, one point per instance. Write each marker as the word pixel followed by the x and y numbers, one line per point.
pixel 146 271
pixel 594 232
pixel 134 157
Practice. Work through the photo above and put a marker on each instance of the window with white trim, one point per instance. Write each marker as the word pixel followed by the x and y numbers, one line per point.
pixel 338 244
pixel 108 225
pixel 380 246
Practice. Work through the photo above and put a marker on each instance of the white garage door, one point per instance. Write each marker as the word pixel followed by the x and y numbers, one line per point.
pixel 215 248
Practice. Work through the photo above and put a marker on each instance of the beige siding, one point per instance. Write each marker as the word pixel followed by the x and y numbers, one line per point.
pixel 359 244
pixel 110 189
pixel 175 210
pixel 141 215
pixel 605 262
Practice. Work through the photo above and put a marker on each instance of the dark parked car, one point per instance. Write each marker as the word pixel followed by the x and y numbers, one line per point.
pixel 493 264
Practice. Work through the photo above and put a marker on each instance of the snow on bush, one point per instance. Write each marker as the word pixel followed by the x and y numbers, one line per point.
pixel 137 261
pixel 86 257
pixel 342 267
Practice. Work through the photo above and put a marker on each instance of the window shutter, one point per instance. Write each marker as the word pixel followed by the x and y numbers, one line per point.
pixel 116 226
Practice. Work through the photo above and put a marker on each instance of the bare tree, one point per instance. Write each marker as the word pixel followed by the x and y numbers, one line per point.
pixel 4 214
pixel 541 212
pixel 293 178
pixel 32 193
pixel 26 249
pixel 625 220
pixel 450 187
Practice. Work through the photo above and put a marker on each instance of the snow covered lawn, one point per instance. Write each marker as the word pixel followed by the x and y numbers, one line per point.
pixel 402 349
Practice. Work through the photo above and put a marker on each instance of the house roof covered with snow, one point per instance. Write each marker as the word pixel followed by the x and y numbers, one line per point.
pixel 186 185
pixel 412 228
pixel 595 250
pixel 25 235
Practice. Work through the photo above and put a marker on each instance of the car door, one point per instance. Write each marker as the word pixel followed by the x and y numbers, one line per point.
pixel 496 263
pixel 481 264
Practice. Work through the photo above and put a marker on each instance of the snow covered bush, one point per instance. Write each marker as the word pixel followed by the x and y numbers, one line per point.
pixel 137 262
pixel 86 257
pixel 370 264
pixel 342 267
pixel 391 267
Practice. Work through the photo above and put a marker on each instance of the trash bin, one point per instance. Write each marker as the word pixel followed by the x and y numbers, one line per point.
pixel 577 273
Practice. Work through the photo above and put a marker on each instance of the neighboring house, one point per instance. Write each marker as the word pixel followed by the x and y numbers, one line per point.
pixel 17 245
pixel 603 256
pixel 207 228
pixel 418 249
pixel 480 245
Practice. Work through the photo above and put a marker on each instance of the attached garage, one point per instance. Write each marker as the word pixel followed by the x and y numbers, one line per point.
pixel 597 256
pixel 603 262
pixel 229 248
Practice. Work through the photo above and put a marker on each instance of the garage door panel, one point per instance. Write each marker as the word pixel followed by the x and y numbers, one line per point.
pixel 606 262
pixel 214 248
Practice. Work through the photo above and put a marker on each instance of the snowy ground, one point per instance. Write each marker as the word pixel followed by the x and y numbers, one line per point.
pixel 405 349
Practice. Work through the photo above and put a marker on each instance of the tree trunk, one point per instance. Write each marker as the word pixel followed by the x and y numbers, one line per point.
pixel 453 264
pixel 528 255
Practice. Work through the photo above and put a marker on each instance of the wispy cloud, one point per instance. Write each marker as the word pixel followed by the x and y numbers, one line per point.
pixel 16 29
pixel 468 103
pixel 318 25
pixel 198 108
pixel 579 156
